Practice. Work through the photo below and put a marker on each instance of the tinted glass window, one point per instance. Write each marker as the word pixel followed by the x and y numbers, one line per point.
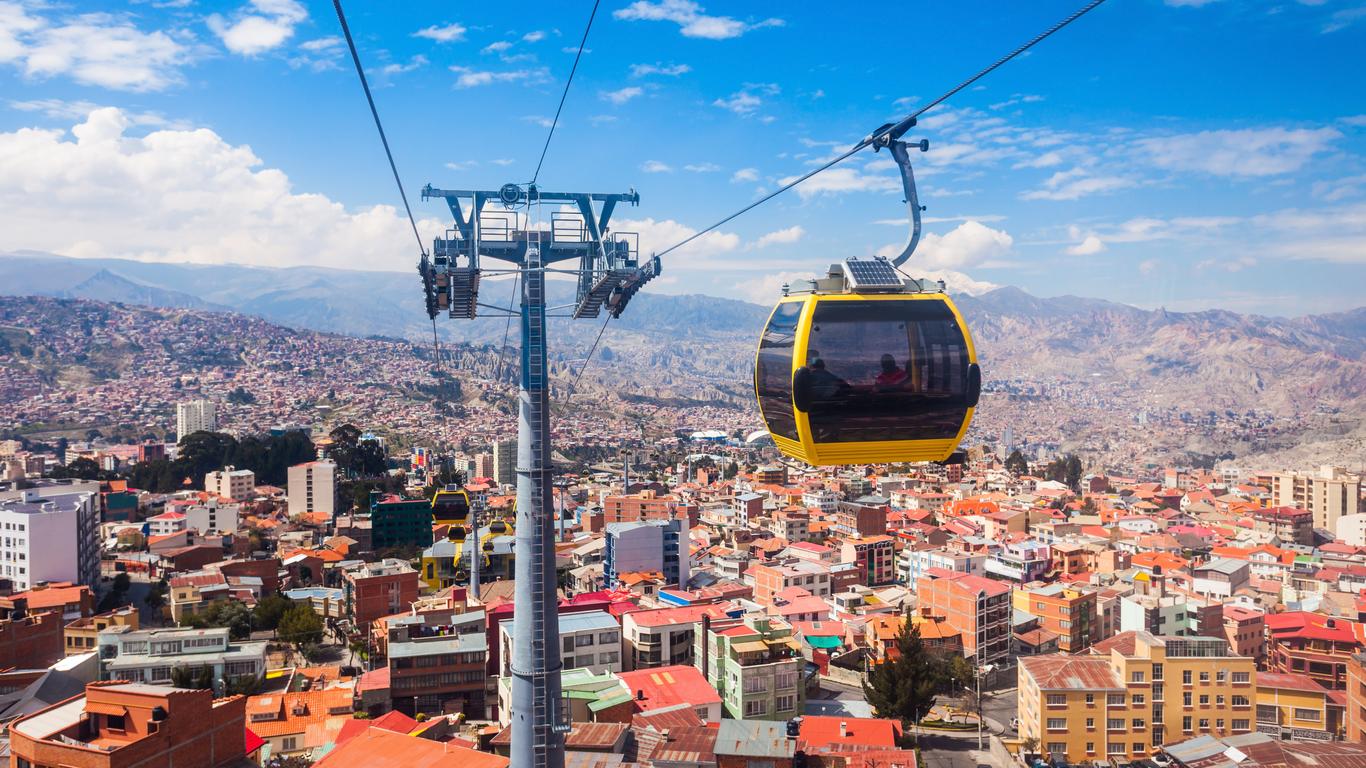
pixel 886 370
pixel 773 370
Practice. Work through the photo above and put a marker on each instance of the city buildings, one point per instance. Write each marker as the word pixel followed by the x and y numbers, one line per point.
pixel 153 655
pixel 651 545
pixel 873 557
pixel 1328 494
pixel 1133 693
pixel 312 488
pixel 589 640
pixel 505 462
pixel 1314 645
pixel 131 725
pixel 440 668
pixel 769 580
pixel 195 416
pixel 378 589
pixel 399 522
pixel 231 483
pixel 1068 612
pixel 50 538
pixel 974 606
pixel 664 636
pixel 755 666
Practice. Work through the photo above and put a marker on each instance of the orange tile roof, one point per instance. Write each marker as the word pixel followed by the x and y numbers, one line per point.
pixel 296 712
pixel 378 748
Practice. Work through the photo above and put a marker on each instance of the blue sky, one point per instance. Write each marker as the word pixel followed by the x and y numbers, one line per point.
pixel 1184 154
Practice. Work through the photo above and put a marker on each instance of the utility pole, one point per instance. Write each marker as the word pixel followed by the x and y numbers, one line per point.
pixel 608 275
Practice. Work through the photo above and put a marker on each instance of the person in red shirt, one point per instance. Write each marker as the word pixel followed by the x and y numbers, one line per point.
pixel 892 376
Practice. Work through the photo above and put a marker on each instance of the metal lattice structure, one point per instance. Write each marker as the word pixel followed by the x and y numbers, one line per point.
pixel 608 274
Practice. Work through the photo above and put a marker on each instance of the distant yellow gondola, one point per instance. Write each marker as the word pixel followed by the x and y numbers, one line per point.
pixel 451 505
pixel 867 367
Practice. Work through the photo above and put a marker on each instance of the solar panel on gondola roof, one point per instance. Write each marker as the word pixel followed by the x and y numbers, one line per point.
pixel 872 273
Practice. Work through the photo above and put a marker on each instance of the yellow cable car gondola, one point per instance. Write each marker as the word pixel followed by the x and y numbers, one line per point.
pixel 867 366
pixel 498 527
pixel 456 533
pixel 451 505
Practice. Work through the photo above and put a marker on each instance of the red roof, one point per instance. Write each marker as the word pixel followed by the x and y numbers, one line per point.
pixel 668 686
pixel 378 748
pixel 817 731
pixel 254 742
pixel 1314 626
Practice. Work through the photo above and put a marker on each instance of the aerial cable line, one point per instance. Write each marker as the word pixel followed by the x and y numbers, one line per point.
pixel 565 94
pixel 379 126
pixel 891 130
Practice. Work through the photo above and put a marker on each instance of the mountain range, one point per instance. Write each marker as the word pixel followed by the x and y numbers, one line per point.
pixel 1073 350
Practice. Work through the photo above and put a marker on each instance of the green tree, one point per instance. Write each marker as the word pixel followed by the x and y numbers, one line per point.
pixel 122 582
pixel 156 594
pixel 270 610
pixel 234 615
pixel 904 687
pixel 192 677
pixel 82 469
pixel 301 626
pixel 1016 464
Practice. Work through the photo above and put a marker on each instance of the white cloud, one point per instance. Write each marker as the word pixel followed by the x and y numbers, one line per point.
pixel 473 78
pixel 767 288
pixel 781 237
pixel 449 33
pixel 1076 184
pixel 744 174
pixel 533 37
pixel 671 70
pixel 1089 246
pixel 621 95
pixel 970 244
pixel 702 167
pixel 183 196
pixel 78 110
pixel 656 235
pixel 691 19
pixel 1334 190
pixel 956 282
pixel 502 161
pixel 260 26
pixel 746 101
pixel 602 119
pixel 540 120
pixel 320 54
pixel 417 62
pixel 1148 266
pixel 839 180
pixel 1248 152
pixel 654 166
pixel 1344 18
pixel 98 49
pixel 498 47
pixel 1356 121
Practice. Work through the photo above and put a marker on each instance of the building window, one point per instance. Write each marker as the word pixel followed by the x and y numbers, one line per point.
pixel 1114 748
pixel 1090 747
pixel 1186 723
pixel 1204 678
pixel 1204 723
pixel 1186 677
pixel 1058 700
pixel 1057 723
pixel 289 744
pixel 1090 698
pixel 1090 723
pixel 1139 723
pixel 1136 676
pixel 1157 671
pixel 1240 701
pixel 1057 748
pixel 756 708
pixel 785 704
pixel 1240 725
pixel 1310 715
pixel 1138 699
pixel 1114 724
pixel 1242 677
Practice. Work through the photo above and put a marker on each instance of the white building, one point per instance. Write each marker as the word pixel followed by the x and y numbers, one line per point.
pixel 590 640
pixel 826 501
pixel 211 515
pixel 231 483
pixel 914 562
pixel 312 488
pixel 195 416
pixel 167 523
pixel 50 538
pixel 1352 529
pixel 150 655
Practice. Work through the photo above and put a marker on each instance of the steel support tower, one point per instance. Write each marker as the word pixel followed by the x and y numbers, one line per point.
pixel 607 275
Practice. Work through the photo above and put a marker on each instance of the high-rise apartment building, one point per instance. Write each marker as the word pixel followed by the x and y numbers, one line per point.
pixel 313 488
pixel 195 416
pixel 974 606
pixel 1328 494
pixel 652 545
pixel 505 462
pixel 50 538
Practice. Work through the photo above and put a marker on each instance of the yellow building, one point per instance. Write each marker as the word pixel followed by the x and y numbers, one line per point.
pixel 1296 708
pixel 1132 693
pixel 82 635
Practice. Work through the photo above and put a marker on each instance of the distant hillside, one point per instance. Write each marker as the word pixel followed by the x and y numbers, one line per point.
pixel 1064 372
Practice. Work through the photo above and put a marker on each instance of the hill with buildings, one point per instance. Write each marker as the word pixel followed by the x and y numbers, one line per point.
pixel 1062 373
